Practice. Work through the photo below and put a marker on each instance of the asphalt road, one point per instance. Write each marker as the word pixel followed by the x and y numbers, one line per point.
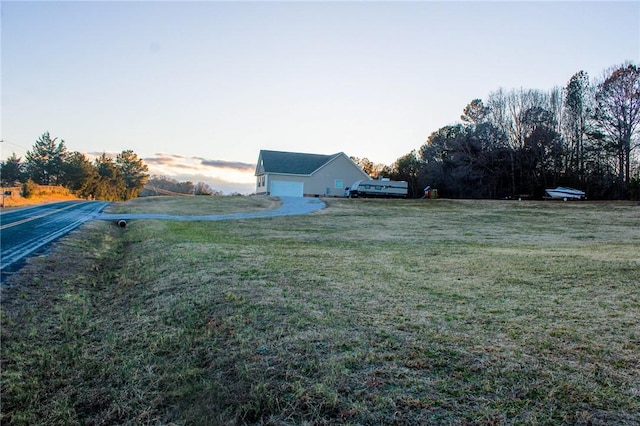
pixel 27 230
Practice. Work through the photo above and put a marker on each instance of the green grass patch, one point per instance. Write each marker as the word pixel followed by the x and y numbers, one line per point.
pixel 368 312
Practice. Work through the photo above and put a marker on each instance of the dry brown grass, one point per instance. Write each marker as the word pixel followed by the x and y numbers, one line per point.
pixel 195 205
pixel 15 202
pixel 369 312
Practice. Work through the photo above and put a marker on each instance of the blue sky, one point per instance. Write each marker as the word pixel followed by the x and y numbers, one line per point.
pixel 198 88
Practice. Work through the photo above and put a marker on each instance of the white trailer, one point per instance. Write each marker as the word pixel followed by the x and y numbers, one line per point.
pixel 378 188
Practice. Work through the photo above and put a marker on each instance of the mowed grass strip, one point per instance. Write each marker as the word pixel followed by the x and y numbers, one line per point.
pixel 368 312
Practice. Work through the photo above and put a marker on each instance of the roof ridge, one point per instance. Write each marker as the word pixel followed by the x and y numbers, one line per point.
pixel 300 153
pixel 293 162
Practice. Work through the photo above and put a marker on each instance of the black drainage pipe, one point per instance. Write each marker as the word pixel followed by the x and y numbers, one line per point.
pixel 122 223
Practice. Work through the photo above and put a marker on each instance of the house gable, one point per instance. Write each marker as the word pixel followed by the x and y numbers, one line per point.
pixel 291 163
pixel 318 175
pixel 342 159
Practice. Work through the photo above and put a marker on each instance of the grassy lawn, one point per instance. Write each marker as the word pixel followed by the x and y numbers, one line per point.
pixel 368 312
pixel 195 205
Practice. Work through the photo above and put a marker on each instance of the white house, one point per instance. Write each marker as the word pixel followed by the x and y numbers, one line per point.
pixel 297 174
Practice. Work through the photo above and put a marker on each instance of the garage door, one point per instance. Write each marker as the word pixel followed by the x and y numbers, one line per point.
pixel 287 189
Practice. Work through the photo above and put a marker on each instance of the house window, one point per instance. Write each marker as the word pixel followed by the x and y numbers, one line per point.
pixel 339 183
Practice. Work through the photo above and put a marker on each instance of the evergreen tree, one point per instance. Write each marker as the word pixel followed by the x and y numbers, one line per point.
pixel 44 162
pixel 79 174
pixel 133 171
pixel 11 170
pixel 109 184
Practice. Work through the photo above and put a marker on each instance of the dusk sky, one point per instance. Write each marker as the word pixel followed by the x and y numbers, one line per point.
pixel 196 89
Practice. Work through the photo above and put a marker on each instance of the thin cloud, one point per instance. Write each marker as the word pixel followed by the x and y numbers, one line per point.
pixel 178 161
pixel 173 155
pixel 228 176
pixel 170 162
pixel 95 154
pixel 236 165
pixel 181 161
pixel 159 161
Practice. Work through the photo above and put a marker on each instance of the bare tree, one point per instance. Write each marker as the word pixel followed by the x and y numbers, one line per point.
pixel 618 116
pixel 203 188
pixel 365 164
pixel 577 111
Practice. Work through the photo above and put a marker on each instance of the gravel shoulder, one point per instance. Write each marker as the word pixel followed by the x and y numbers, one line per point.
pixel 289 206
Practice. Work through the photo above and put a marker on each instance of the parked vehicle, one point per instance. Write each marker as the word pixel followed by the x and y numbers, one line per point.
pixel 562 193
pixel 378 188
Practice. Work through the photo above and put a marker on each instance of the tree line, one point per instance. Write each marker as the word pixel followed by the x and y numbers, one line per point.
pixel 50 163
pixel 518 143
pixel 164 185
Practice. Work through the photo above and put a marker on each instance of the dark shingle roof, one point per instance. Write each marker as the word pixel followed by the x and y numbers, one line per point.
pixel 293 162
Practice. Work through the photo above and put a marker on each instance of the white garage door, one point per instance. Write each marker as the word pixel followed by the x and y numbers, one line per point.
pixel 287 189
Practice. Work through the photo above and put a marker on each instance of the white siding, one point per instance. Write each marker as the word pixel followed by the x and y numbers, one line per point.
pixel 282 188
